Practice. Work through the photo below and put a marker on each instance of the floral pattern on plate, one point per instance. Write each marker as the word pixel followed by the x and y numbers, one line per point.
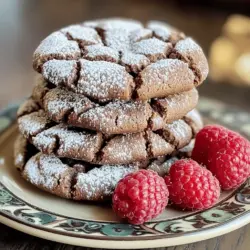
pixel 223 212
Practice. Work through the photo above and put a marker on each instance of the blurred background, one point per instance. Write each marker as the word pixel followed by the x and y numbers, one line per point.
pixel 221 27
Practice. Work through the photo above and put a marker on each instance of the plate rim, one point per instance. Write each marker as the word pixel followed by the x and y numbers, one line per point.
pixel 111 244
pixel 117 238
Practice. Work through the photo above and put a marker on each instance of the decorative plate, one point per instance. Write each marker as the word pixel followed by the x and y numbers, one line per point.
pixel 28 209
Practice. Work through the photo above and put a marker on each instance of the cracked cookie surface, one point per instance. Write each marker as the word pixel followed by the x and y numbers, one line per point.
pixel 73 179
pixel 121 59
pixel 115 117
pixel 95 147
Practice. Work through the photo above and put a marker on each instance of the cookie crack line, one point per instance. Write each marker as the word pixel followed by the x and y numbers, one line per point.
pixel 142 53
pixel 70 38
pixel 63 141
pixel 147 145
pixel 115 117
pixel 78 70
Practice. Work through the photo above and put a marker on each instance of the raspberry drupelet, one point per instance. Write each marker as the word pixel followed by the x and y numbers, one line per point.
pixel 140 196
pixel 192 186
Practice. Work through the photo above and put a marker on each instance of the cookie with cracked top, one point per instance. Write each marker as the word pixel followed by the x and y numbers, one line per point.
pixel 121 59
pixel 115 117
pixel 95 147
pixel 73 179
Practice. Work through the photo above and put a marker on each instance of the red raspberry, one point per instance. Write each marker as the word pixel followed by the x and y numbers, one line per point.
pixel 140 196
pixel 206 139
pixel 192 186
pixel 225 153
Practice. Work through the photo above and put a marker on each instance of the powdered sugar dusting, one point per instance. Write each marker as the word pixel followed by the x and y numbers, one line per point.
pixel 152 73
pixel 189 49
pixel 21 151
pixel 33 123
pixel 58 101
pixel 44 170
pixel 152 47
pixel 56 106
pixel 117 39
pixel 59 71
pixel 57 44
pixel 114 23
pixel 161 30
pixel 179 129
pixel 117 115
pixel 98 79
pixel 187 45
pixel 107 39
pixel 195 116
pixel 140 34
pixel 101 181
pixel 76 109
pixel 125 42
pixel 134 62
pixel 169 64
pixel 85 35
pixel 100 52
pixel 170 67
pixel 164 77
pixel 69 140
pixel 125 148
pixel 181 101
pixel 158 145
pixel 124 153
pixel 103 80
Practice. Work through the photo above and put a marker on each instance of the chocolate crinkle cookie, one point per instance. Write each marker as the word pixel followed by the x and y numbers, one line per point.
pixel 114 117
pixel 77 180
pixel 121 59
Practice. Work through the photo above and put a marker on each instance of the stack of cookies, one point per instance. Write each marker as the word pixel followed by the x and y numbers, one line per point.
pixel 111 96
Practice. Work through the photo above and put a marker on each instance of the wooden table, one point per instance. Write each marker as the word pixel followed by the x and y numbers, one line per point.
pixel 24 23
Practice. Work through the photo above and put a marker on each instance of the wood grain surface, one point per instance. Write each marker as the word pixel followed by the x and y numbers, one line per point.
pixel 24 23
